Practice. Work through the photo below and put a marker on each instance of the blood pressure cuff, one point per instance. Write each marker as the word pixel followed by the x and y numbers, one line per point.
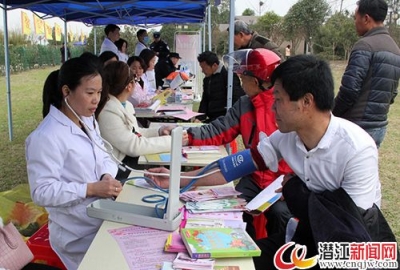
pixel 237 165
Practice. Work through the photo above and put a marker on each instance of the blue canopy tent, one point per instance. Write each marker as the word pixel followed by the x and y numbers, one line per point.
pixel 130 12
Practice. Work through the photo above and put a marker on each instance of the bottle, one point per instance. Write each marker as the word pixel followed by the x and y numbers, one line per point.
pixel 178 95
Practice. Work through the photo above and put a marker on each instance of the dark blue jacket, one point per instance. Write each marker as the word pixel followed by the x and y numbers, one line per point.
pixel 369 84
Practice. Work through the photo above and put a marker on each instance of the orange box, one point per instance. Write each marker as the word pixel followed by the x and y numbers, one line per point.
pixel 39 244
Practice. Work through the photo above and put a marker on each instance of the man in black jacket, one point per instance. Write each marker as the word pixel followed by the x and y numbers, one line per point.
pixel 215 88
pixel 159 46
pixel 369 84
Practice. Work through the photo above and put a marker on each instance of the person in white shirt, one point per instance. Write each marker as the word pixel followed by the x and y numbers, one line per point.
pixel 139 97
pixel 67 168
pixel 325 152
pixel 143 40
pixel 112 35
pixel 150 59
pixel 122 46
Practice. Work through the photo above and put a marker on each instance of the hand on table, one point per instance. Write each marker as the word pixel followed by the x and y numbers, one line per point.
pixel 161 181
pixel 166 130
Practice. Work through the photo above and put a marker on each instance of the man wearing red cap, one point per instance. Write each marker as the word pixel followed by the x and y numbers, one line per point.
pixel 249 116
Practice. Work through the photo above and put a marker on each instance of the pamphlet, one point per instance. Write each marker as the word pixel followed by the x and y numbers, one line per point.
pixel 265 198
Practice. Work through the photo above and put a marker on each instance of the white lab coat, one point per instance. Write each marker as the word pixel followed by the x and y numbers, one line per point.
pixel 139 48
pixel 108 45
pixel 61 160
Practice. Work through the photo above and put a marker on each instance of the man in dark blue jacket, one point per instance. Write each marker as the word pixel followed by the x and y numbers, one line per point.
pixel 369 84
pixel 215 87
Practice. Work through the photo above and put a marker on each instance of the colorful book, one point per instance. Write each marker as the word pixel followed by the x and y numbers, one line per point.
pixel 265 198
pixel 219 243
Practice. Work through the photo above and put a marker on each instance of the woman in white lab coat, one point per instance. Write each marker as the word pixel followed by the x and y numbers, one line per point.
pixel 66 169
pixel 150 58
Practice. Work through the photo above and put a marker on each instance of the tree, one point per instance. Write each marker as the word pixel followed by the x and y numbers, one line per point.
pixel 168 35
pixel 99 39
pixel 129 34
pixel 304 19
pixel 337 36
pixel 270 25
pixel 220 14
pixel 248 12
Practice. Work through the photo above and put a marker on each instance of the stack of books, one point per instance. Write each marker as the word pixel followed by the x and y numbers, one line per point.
pixel 202 151
pixel 209 194
pixel 220 205
pixel 212 225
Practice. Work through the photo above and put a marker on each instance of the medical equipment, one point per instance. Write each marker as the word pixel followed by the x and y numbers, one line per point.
pixel 170 217
pixel 167 219
pixel 237 165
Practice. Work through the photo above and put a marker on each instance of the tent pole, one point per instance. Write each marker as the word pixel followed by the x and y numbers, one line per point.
pixel 204 36
pixel 209 27
pixel 95 39
pixel 231 33
pixel 7 70
pixel 65 39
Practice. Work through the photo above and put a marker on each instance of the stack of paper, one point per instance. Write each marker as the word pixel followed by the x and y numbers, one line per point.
pixel 221 205
pixel 209 194
pixel 217 207
pixel 150 108
pixel 230 219
pixel 172 109
pixel 183 261
pixel 203 151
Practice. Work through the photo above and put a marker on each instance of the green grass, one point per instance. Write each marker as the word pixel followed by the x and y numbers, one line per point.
pixel 27 105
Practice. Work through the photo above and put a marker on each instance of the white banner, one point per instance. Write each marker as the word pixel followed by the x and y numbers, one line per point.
pixel 189 47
